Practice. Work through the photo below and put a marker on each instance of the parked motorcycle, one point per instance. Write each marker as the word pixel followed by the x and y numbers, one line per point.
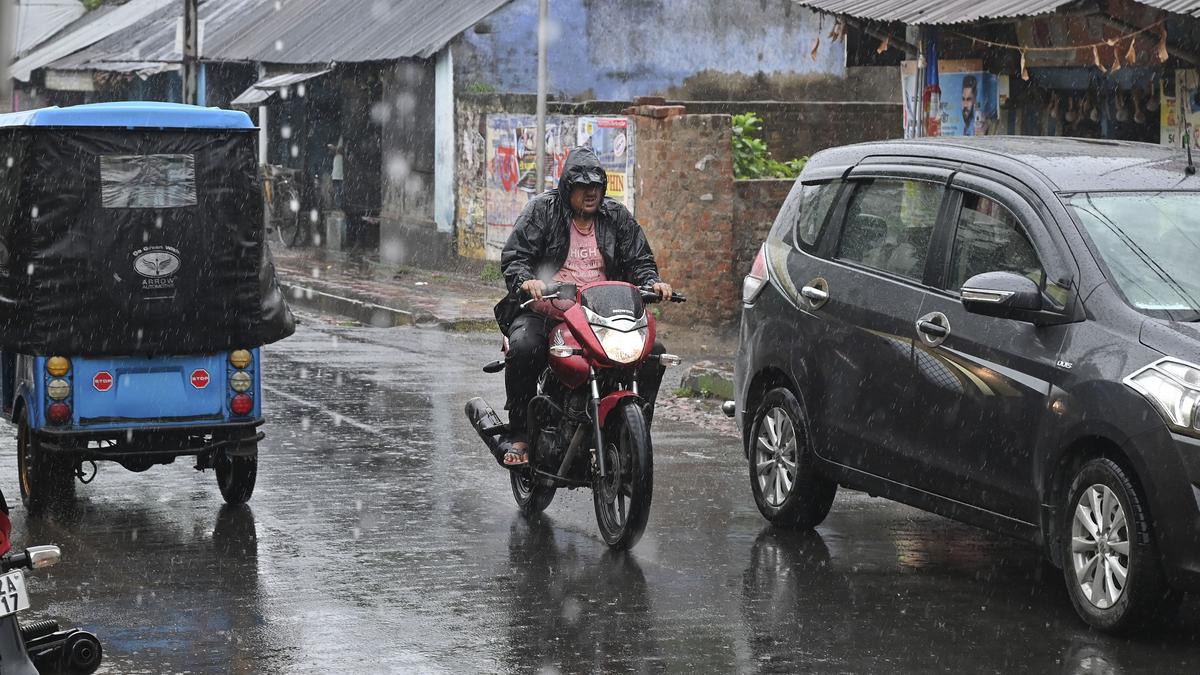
pixel 38 647
pixel 587 424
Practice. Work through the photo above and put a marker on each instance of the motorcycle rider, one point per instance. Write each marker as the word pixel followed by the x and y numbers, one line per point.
pixel 572 234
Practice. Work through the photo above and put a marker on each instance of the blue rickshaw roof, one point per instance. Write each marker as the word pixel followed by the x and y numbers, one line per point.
pixel 130 115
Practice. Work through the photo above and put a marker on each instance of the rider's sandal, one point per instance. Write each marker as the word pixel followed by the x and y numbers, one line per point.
pixel 516 457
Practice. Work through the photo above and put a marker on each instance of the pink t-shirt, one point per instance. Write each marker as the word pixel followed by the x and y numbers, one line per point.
pixel 584 265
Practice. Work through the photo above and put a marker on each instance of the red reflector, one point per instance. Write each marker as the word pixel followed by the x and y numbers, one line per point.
pixel 58 413
pixel 759 269
pixel 241 404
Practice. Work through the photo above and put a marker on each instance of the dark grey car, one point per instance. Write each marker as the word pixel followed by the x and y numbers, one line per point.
pixel 1001 330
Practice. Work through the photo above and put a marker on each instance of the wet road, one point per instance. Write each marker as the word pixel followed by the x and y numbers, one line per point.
pixel 382 538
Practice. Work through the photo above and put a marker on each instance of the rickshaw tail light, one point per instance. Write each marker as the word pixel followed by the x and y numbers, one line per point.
pixel 58 389
pixel 240 358
pixel 241 404
pixel 241 381
pixel 58 413
pixel 58 365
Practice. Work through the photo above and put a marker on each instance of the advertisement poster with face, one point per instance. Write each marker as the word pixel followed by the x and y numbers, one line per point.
pixel 1179 107
pixel 969 103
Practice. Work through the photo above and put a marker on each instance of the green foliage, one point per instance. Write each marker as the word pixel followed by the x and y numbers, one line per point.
pixel 751 158
pixel 491 272
pixel 89 5
pixel 481 88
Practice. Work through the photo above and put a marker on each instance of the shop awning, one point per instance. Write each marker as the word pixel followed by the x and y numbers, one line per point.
pixel 963 11
pixel 265 88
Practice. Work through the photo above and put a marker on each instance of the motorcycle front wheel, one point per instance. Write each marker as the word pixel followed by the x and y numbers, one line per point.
pixel 623 497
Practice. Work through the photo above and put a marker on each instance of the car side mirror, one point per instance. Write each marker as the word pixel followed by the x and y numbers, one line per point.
pixel 1005 295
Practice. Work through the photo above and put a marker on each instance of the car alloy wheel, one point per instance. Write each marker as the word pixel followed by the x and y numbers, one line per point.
pixel 775 456
pixel 1100 546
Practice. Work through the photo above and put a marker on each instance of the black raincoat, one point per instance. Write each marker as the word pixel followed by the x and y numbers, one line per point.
pixel 537 247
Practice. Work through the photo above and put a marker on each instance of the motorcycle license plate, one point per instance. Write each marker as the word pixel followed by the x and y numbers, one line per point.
pixel 13 596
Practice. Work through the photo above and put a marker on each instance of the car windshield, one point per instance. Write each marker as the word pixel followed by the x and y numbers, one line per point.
pixel 1150 242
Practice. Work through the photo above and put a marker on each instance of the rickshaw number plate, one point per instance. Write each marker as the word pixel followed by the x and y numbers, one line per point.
pixel 13 596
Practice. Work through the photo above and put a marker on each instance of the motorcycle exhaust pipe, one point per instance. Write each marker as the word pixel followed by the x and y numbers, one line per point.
pixel 487 424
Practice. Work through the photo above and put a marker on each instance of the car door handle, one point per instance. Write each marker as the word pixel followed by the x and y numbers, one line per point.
pixel 937 330
pixel 814 294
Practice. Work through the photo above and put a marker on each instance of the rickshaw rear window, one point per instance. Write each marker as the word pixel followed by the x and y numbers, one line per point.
pixel 147 181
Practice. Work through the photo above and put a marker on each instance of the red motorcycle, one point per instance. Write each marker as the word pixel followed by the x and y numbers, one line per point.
pixel 587 424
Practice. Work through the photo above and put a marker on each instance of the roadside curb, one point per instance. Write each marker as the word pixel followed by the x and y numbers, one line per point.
pixel 374 314
pixel 706 379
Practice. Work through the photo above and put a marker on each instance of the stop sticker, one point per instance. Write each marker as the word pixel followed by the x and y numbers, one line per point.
pixel 102 381
pixel 200 378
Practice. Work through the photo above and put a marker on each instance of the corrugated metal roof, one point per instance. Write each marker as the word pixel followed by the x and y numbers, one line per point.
pixel 115 20
pixel 40 19
pixel 962 11
pixel 265 88
pixel 319 31
pixel 150 46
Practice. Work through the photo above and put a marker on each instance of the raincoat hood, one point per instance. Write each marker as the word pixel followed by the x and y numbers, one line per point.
pixel 582 166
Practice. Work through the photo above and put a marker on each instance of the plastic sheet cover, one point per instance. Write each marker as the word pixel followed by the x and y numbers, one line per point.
pixel 117 242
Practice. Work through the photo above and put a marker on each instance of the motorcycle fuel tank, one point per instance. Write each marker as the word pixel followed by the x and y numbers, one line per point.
pixel 572 371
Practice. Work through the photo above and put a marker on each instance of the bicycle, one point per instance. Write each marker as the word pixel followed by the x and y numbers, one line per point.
pixel 281 200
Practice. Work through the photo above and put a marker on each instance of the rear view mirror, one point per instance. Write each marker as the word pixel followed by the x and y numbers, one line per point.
pixel 1004 295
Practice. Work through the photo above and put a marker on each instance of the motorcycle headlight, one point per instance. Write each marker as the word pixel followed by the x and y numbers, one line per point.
pixel 621 347
pixel 1173 387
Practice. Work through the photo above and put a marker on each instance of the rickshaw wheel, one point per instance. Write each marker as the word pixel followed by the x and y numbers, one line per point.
pixel 236 475
pixel 45 480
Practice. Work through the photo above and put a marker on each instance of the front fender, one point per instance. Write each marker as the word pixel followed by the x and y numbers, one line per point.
pixel 609 403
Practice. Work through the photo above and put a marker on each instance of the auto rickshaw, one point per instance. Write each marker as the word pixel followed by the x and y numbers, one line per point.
pixel 135 291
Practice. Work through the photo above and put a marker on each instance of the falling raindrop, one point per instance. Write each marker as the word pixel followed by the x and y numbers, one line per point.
pixel 9 162
pixel 279 45
pixel 294 204
pixel 33 212
pixel 158 222
pixel 337 420
pixel 301 90
pixel 278 5
pixel 295 152
pixel 313 216
pixel 305 423
pixel 316 272
pixel 285 131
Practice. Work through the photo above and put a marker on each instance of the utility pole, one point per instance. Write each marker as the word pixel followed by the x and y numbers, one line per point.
pixel 7 17
pixel 543 18
pixel 191 51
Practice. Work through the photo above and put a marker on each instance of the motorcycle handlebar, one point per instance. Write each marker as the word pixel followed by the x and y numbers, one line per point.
pixel 552 292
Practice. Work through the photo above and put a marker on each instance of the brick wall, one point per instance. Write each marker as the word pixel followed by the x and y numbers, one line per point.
pixel 685 204
pixel 755 204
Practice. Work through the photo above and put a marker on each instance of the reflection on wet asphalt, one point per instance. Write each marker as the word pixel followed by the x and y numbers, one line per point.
pixel 382 538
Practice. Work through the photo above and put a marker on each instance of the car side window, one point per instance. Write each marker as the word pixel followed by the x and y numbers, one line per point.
pixel 989 238
pixel 889 223
pixel 803 215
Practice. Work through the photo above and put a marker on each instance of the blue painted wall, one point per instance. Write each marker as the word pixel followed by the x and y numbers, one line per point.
pixel 618 49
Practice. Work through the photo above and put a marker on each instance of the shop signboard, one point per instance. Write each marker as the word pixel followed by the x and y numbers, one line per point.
pixel 969 98
pixel 1180 111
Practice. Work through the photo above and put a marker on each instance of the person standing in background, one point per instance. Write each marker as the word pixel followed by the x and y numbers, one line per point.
pixel 338 174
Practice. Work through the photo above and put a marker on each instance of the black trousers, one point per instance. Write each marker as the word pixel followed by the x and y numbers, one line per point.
pixel 526 359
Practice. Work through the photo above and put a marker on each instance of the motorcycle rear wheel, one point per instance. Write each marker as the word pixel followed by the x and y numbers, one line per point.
pixel 532 498
pixel 623 497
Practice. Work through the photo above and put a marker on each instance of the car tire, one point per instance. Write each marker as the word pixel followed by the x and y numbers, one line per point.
pixel 787 487
pixel 1110 560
